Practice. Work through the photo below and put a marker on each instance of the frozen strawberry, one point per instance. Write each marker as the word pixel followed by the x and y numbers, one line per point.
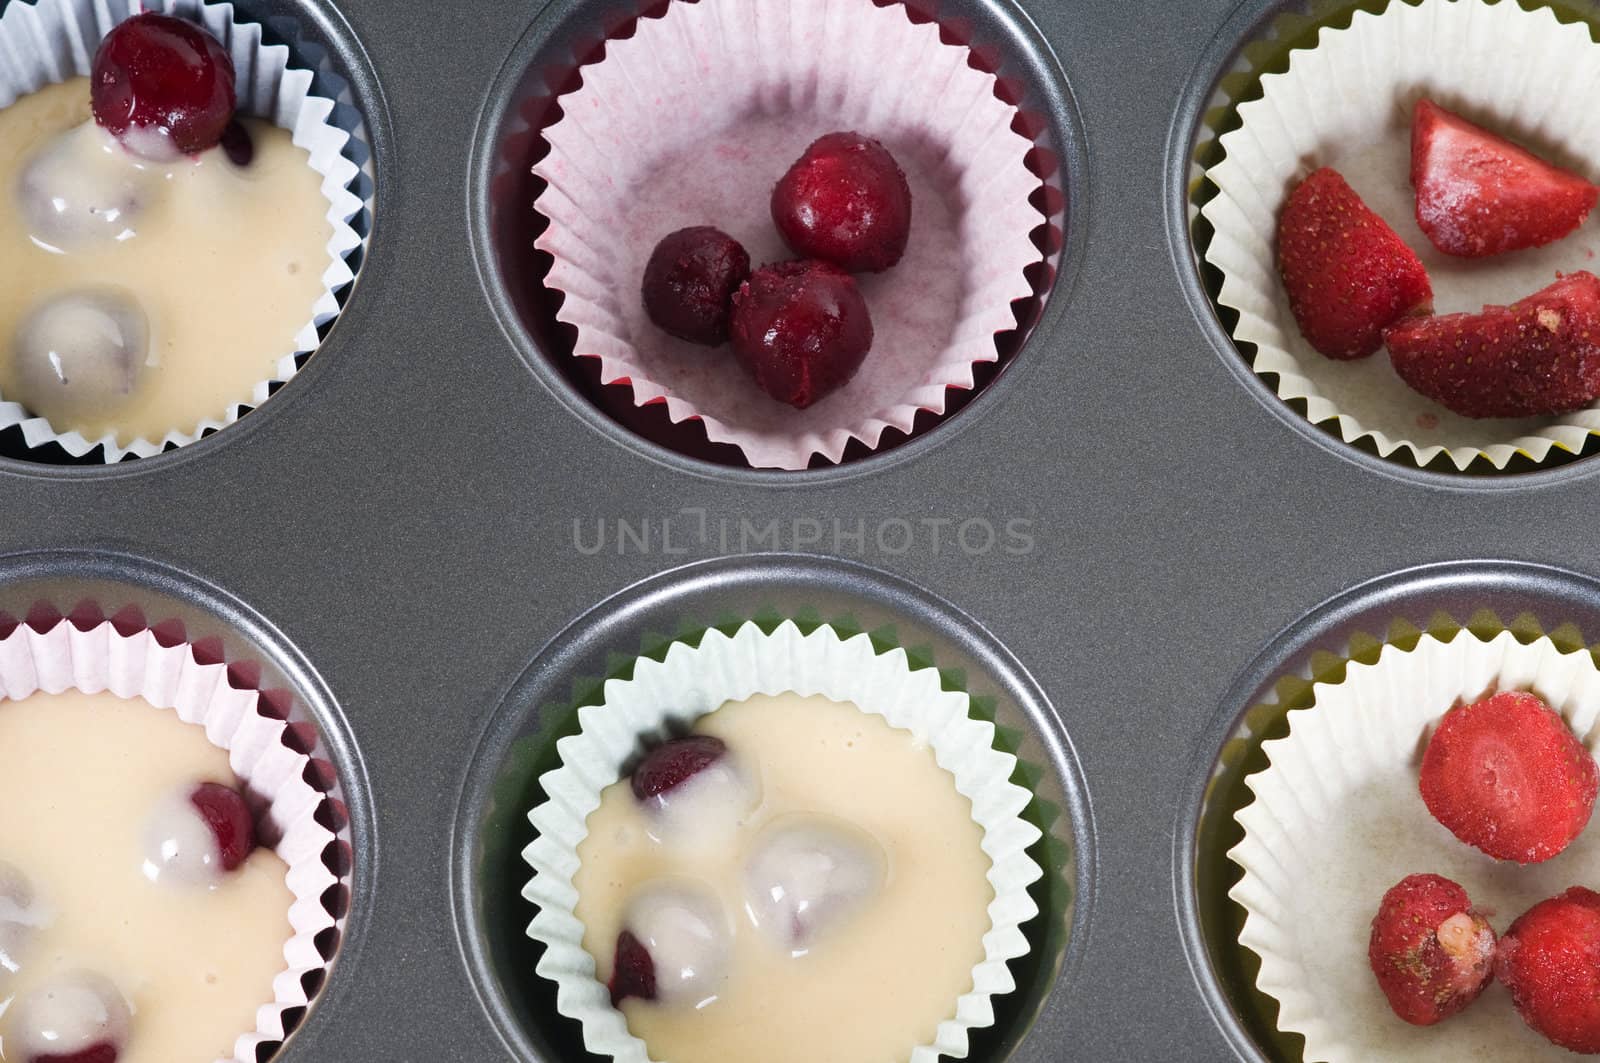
pixel 1535 358
pixel 1550 961
pixel 1349 276
pixel 1507 776
pixel 1479 194
pixel 845 201
pixel 1431 953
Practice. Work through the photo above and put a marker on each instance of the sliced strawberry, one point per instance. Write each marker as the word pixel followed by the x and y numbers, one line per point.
pixel 1479 194
pixel 1430 951
pixel 1506 775
pixel 1348 275
pixel 1535 358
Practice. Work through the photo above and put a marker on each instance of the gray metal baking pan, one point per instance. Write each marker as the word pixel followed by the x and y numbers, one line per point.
pixel 431 534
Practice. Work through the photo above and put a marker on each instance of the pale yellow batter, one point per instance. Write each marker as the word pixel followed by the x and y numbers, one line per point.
pixel 868 990
pixel 79 774
pixel 226 262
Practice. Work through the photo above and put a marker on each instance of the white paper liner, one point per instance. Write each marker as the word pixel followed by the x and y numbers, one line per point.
pixel 691 682
pixel 692 121
pixel 1337 820
pixel 49 41
pixel 1347 103
pixel 169 677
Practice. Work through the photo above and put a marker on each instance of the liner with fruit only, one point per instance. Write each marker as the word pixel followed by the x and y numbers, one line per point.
pixel 692 120
pixel 1347 103
pixel 691 681
pixel 1337 820
pixel 49 41
pixel 148 662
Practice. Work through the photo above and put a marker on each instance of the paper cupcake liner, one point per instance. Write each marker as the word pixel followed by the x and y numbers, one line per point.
pixel 690 681
pixel 268 753
pixel 1346 103
pixel 1337 819
pixel 50 41
pixel 692 120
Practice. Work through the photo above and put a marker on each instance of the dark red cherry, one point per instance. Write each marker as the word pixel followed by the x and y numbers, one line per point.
pixel 633 974
pixel 104 1052
pixel 18 917
pixel 229 818
pixel 690 280
pixel 845 201
pixel 163 86
pixel 802 330
pixel 673 763
pixel 236 141
pixel 74 1017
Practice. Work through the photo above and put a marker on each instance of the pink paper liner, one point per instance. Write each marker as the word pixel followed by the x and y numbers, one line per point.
pixel 273 757
pixel 1003 304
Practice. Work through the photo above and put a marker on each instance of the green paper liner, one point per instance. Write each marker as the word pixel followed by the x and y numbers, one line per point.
pixel 508 831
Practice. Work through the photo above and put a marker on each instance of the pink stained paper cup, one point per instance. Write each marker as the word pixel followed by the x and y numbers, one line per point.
pixel 693 118
pixel 284 777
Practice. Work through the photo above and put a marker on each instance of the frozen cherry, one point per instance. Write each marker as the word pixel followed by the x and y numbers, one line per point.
pixel 633 973
pixel 238 144
pixel 67 204
pixel 695 790
pixel 19 918
pixel 808 875
pixel 845 201
pixel 690 280
pixel 802 329
pixel 79 1017
pixel 673 763
pixel 163 86
pixel 104 1052
pixel 198 834
pixel 230 821
pixel 675 945
pixel 81 353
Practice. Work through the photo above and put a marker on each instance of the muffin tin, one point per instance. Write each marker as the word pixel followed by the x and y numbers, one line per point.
pixel 433 533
